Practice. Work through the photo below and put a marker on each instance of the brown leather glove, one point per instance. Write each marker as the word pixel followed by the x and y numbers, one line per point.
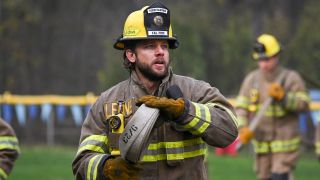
pixel 119 169
pixel 245 134
pixel 174 107
pixel 276 91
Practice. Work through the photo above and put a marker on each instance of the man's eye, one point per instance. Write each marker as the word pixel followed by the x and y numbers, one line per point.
pixel 165 46
pixel 149 46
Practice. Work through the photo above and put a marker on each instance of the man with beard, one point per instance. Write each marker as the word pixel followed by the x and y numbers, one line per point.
pixel 277 138
pixel 178 143
pixel 9 149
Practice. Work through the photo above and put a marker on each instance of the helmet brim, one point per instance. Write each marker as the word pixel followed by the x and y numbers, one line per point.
pixel 120 43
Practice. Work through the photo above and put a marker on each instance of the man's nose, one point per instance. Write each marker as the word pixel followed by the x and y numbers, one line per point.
pixel 159 50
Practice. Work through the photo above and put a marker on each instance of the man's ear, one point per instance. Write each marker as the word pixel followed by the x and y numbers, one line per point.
pixel 131 55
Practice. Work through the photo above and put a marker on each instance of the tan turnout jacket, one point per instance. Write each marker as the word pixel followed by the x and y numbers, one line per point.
pixel 317 139
pixel 279 129
pixel 9 149
pixel 176 151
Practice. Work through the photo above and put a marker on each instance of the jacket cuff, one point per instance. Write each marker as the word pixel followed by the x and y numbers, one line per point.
pixel 104 159
pixel 185 111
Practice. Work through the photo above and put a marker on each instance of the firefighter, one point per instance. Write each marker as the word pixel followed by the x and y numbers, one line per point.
pixel 178 143
pixel 317 137
pixel 276 139
pixel 9 149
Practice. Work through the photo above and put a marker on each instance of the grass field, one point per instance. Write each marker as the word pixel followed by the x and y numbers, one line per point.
pixel 40 162
pixel 241 167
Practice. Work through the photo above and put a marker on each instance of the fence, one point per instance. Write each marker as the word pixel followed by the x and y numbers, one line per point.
pixel 54 118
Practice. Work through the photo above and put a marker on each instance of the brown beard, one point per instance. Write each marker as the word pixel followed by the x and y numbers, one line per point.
pixel 147 72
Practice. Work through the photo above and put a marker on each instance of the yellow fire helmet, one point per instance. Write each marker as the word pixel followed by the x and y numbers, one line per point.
pixel 265 46
pixel 151 22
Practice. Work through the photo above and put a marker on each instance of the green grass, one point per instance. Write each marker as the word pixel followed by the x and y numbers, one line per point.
pixel 241 167
pixel 41 162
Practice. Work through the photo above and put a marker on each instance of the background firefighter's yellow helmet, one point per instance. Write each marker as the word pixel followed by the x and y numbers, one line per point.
pixel 266 46
pixel 151 22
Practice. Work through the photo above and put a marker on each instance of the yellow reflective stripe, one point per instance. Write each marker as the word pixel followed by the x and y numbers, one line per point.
pixel 154 158
pixel 96 167
pixel 260 147
pixel 303 96
pixel 100 138
pixel 159 157
pixel 276 146
pixel 318 148
pixel 91 148
pixel 242 102
pixel 289 101
pixel 176 144
pixel 275 111
pixel 205 125
pixel 201 121
pixel 93 165
pixel 3 174
pixel 9 142
pixel 177 147
pixel 272 111
pixel 195 120
pixel 285 146
pixel 90 166
pixel 293 99
pixel 95 143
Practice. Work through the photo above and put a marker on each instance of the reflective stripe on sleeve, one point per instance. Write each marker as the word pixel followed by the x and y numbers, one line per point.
pixel 177 150
pixel 201 121
pixel 293 99
pixel 96 143
pixel 275 110
pixel 3 174
pixel 93 167
pixel 9 142
pixel 242 102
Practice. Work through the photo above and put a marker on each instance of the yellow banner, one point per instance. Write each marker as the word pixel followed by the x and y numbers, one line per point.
pixel 89 98
pixel 8 98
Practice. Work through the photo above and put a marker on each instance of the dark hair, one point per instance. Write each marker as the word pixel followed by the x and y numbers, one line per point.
pixel 126 63
pixel 129 45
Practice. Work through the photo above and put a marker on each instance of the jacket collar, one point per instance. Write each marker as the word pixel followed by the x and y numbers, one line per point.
pixel 271 76
pixel 134 78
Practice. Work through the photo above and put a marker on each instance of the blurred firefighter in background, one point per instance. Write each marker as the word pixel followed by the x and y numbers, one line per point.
pixel 9 149
pixel 317 138
pixel 276 139
pixel 178 142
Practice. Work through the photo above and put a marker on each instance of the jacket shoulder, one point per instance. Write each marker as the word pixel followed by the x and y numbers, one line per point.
pixel 115 90
pixel 111 94
pixel 292 73
pixel 187 81
pixel 196 90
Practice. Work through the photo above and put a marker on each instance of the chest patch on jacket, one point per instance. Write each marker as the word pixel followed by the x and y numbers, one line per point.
pixel 122 107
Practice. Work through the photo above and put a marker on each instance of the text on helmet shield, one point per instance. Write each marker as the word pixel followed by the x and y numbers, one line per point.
pixel 157 10
pixel 158 33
